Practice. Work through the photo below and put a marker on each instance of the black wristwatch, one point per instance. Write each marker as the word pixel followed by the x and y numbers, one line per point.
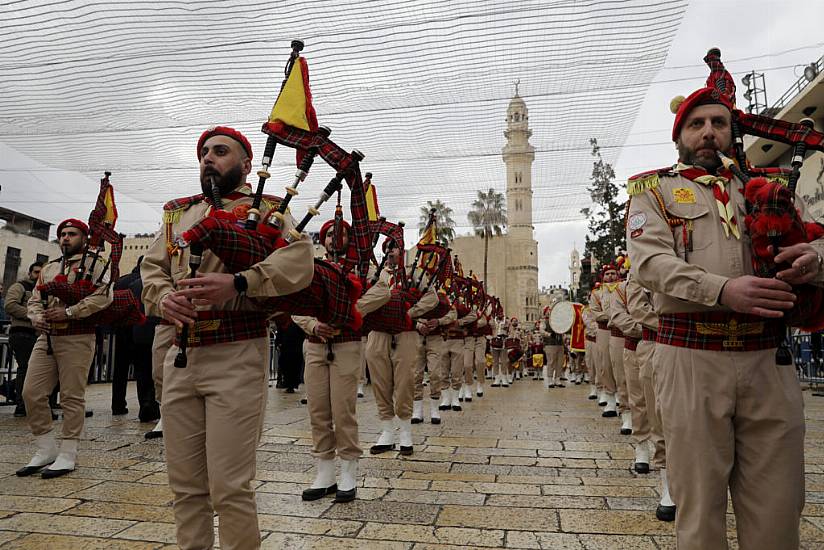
pixel 241 284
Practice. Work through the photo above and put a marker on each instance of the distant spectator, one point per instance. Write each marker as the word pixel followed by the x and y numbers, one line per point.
pixel 289 343
pixel 21 334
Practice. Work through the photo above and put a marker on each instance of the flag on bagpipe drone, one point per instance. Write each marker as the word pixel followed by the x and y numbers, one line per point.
pixel 125 307
pixel 334 289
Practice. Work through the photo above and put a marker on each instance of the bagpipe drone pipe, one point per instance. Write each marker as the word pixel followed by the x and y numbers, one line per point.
pixel 772 218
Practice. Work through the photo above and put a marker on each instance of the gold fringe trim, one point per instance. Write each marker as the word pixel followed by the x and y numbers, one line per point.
pixel 642 183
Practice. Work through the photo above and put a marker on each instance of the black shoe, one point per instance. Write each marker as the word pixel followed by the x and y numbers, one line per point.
pixel 577 383
pixel 504 385
pixel 153 434
pixel 609 414
pixel 626 431
pixel 406 451
pixel 563 379
pixel 20 411
pixel 592 397
pixel 290 390
pixel 149 413
pixel 117 412
pixel 360 394
pixel 468 399
pixel 496 385
pixel 456 408
pixel 560 386
pixel 346 496
pixel 665 513
pixel 416 420
pixel 602 403
pixel 444 407
pixel 315 494
pixel 303 401
pixel 26 471
pixel 641 468
pixel 461 399
pixel 90 413
pixel 378 449
pixel 435 420
pixel 51 474
pixel 479 394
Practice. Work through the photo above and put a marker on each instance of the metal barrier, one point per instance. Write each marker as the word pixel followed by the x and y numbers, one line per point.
pixel 808 351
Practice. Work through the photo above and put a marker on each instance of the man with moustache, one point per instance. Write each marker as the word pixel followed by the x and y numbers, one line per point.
pixel 732 414
pixel 72 348
pixel 213 409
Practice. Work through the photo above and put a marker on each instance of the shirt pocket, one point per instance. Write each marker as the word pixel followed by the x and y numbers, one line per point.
pixel 695 233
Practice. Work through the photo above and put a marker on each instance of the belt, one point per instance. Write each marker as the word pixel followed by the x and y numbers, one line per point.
pixel 590 338
pixel 339 339
pixel 719 331
pixel 648 334
pixel 602 325
pixel 220 327
pixel 631 343
pixel 616 332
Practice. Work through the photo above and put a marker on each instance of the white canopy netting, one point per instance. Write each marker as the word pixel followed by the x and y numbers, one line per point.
pixel 420 87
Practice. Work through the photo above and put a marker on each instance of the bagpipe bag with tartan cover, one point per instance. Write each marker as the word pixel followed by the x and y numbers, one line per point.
pixel 332 293
pixel 125 307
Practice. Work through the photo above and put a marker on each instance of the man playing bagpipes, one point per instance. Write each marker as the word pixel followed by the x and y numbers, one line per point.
pixel 392 350
pixel 482 334
pixel 332 372
pixel 731 403
pixel 591 329
pixel 63 351
pixel 500 371
pixel 639 305
pixel 213 408
pixel 454 362
pixel 606 371
pixel 472 295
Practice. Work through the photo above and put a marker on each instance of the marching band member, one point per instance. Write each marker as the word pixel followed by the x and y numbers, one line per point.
pixel 213 415
pixel 591 349
pixel 554 349
pixel 469 322
pixel 433 349
pixel 62 354
pixel 500 369
pixel 600 300
pixel 332 371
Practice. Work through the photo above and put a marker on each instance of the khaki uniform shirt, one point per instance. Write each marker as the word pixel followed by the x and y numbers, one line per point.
pixel 97 301
pixel 285 271
pixel 688 276
pixel 639 305
pixel 619 316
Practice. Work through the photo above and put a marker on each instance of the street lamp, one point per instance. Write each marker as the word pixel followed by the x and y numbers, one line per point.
pixel 810 72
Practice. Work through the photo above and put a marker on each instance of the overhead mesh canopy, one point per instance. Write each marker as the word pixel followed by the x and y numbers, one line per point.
pixel 421 88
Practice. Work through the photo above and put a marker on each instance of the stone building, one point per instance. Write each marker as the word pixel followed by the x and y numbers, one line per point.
pixel 24 240
pixel 513 258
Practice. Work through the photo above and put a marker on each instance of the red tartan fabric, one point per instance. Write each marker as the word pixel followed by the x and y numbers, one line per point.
pixel 648 335
pixel 512 343
pixel 392 317
pixel 330 297
pixel 220 327
pixel 616 332
pixel 497 342
pixel 603 325
pixel 779 130
pixel 123 311
pixel 590 338
pixel 631 343
pixel 66 292
pixel 719 331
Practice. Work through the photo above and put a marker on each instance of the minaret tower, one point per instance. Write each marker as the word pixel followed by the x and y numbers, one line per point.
pixel 522 250
pixel 574 271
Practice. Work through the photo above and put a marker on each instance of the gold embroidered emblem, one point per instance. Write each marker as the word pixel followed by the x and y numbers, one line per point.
pixel 732 329
pixel 683 195
pixel 202 326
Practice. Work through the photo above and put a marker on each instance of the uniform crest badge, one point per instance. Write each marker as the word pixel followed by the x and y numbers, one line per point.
pixel 636 221
pixel 683 195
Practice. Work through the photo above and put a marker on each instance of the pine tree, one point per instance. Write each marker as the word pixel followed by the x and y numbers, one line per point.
pixel 605 218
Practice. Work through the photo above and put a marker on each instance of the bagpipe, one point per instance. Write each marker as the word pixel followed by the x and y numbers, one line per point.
pixel 772 218
pixel 241 243
pixel 125 307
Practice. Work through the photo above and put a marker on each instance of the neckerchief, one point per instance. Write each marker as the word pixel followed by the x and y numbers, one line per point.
pixel 726 209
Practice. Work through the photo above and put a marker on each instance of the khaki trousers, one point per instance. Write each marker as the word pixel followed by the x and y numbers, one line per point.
pixel 499 362
pixel 164 337
pixel 578 363
pixel 393 372
pixel 732 419
pixel 363 361
pixel 212 420
pixel 480 359
pixel 469 360
pixel 452 364
pixel 647 376
pixel 589 358
pixel 555 359
pixel 69 365
pixel 433 349
pixel 616 359
pixel 603 363
pixel 332 395
pixel 637 402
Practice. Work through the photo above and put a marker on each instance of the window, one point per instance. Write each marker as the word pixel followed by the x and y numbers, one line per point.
pixel 42 258
pixel 12 266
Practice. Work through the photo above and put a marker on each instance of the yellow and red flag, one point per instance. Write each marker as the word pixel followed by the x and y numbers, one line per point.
pixel 293 106
pixel 372 210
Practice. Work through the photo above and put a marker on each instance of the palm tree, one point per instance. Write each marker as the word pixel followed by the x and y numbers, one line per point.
pixel 488 219
pixel 445 225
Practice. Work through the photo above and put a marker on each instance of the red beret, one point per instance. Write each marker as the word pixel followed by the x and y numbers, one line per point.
pixel 73 222
pixel 608 267
pixel 324 229
pixel 224 131
pixel 704 96
pixel 388 243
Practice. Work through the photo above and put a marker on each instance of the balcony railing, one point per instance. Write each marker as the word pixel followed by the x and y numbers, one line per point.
pixel 796 88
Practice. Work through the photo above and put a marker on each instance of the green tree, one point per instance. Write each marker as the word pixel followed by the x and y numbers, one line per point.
pixel 605 217
pixel 488 219
pixel 445 225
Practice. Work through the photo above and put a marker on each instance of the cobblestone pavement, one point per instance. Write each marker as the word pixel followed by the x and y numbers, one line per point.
pixel 522 467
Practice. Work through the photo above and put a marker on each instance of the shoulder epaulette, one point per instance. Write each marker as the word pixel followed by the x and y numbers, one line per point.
pixel 644 181
pixel 272 202
pixel 174 208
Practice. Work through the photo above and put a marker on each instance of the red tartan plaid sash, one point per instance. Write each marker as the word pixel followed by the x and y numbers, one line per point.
pixel 392 317
pixel 602 325
pixel 719 331
pixel 590 338
pixel 631 343
pixel 220 327
pixel 648 334
pixel 616 332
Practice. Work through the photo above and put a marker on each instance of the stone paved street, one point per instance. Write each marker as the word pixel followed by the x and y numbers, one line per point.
pixel 522 467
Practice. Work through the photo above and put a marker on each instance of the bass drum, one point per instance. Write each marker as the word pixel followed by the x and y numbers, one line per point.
pixel 562 317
